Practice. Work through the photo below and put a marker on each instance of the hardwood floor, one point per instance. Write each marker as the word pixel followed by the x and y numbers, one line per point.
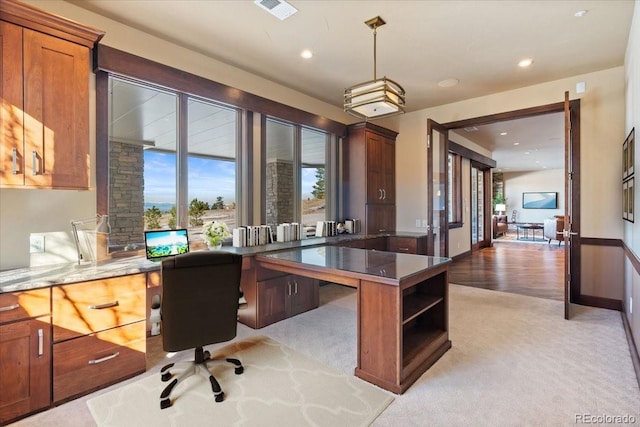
pixel 534 269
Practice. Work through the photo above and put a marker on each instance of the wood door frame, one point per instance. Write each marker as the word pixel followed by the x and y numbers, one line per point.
pixel 558 107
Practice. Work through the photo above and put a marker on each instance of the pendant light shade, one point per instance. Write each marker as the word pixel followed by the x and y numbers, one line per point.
pixel 378 97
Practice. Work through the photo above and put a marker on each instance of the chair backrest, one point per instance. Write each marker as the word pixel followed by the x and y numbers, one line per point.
pixel 200 293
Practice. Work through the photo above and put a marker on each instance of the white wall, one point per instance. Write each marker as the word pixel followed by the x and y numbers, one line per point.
pixel 632 120
pixel 516 183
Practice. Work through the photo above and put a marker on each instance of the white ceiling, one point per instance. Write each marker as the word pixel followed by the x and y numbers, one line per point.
pixel 477 42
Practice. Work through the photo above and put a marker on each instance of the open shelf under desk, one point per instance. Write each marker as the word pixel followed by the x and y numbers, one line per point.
pixel 415 304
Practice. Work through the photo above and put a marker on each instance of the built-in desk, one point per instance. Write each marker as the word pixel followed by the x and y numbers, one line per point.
pixel 402 306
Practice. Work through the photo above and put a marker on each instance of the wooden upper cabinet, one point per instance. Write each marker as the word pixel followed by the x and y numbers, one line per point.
pixel 45 65
pixel 369 177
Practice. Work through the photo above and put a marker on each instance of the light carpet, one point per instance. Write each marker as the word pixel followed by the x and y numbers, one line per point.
pixel 278 387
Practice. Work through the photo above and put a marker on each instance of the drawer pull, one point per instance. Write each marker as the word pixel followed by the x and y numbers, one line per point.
pixel 105 305
pixel 104 359
pixel 40 342
pixel 14 161
pixel 34 162
pixel 404 249
pixel 10 307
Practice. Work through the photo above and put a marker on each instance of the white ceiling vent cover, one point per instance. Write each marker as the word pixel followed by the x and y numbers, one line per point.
pixel 278 8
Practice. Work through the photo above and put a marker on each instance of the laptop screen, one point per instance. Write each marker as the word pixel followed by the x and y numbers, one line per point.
pixel 163 243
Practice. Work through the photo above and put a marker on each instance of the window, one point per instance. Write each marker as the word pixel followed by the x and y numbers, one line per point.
pixel 159 179
pixel 295 181
pixel 454 198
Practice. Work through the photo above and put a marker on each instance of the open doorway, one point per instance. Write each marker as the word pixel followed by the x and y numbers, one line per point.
pixel 528 146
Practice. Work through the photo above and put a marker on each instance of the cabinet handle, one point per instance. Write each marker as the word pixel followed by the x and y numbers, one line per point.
pixel 380 197
pixel 40 342
pixel 295 287
pixel 404 249
pixel 34 162
pixel 384 194
pixel 14 161
pixel 289 285
pixel 9 307
pixel 104 359
pixel 105 305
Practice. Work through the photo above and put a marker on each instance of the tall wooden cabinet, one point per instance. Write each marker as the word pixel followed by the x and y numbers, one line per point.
pixel 44 119
pixel 369 177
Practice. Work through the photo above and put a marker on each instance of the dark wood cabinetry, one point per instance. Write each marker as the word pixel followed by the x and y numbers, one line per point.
pixel 25 351
pixel 44 119
pixel 410 327
pixel 98 334
pixel 369 177
pixel 285 296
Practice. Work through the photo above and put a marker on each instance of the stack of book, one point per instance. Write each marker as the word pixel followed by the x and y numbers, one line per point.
pixel 287 232
pixel 326 229
pixel 252 235
pixel 352 225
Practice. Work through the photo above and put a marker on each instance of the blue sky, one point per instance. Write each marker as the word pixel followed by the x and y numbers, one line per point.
pixel 208 179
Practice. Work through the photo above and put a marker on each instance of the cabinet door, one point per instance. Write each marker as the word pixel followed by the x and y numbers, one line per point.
pixel 375 167
pixel 380 218
pixel 303 294
pixel 272 301
pixel 11 115
pixel 388 153
pixel 56 105
pixel 25 367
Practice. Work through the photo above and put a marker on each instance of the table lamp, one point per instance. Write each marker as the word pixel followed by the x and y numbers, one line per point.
pixel 501 208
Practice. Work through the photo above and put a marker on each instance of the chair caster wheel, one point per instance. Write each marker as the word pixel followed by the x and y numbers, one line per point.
pixel 166 376
pixel 239 370
pixel 220 397
pixel 165 403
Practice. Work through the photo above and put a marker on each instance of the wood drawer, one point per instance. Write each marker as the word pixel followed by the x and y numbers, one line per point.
pixel 84 364
pixel 25 304
pixel 407 245
pixel 88 307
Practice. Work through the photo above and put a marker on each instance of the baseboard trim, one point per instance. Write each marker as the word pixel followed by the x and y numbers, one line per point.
pixel 635 357
pixel 599 302
pixel 462 255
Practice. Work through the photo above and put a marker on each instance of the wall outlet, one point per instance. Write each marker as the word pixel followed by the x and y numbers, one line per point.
pixel 424 223
pixel 36 243
pixel 417 223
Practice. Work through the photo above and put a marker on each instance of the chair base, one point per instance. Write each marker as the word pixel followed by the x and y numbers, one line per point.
pixel 201 362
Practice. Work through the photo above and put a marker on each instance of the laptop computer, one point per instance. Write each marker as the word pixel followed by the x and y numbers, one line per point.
pixel 160 244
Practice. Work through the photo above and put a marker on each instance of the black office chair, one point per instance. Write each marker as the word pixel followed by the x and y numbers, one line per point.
pixel 199 306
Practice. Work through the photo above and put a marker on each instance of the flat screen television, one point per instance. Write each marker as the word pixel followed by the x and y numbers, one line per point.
pixel 163 243
pixel 540 200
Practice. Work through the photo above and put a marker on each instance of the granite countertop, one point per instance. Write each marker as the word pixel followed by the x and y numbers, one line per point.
pixel 26 278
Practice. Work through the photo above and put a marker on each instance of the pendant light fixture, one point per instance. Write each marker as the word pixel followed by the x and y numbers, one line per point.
pixel 378 97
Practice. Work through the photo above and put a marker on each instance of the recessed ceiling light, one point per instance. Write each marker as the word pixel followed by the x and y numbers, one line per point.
pixel 448 82
pixel 503 133
pixel 580 13
pixel 525 62
pixel 306 54
pixel 526 152
pixel 516 143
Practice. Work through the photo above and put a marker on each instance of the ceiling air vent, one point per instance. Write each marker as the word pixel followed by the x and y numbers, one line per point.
pixel 278 8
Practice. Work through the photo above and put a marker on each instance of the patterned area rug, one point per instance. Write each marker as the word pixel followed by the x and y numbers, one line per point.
pixel 278 387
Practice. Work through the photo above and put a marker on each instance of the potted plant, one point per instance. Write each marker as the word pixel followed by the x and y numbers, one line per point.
pixel 214 233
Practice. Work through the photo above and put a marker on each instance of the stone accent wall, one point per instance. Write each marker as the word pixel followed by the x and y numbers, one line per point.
pixel 279 192
pixel 126 193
